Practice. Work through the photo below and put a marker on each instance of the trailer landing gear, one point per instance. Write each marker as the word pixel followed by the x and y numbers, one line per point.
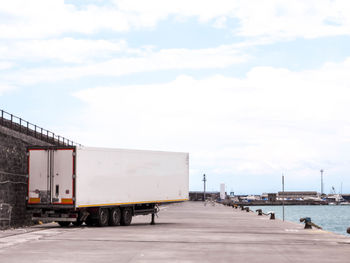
pixel 152 222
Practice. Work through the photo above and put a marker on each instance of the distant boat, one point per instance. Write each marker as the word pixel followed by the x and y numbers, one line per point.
pixel 335 199
pixel 344 203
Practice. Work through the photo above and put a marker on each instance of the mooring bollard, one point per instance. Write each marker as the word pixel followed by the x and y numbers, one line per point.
pixel 260 213
pixel 272 215
pixel 348 230
pixel 308 223
pixel 247 209
pixel 242 207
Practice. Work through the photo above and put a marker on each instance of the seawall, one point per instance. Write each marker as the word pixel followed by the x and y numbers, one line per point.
pixel 13 176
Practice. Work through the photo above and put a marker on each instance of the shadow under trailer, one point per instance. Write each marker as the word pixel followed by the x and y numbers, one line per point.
pixel 102 186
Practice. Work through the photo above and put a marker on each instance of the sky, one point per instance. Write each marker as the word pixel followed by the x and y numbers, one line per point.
pixel 250 89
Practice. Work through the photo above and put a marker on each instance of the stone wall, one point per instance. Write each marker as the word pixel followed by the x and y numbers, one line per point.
pixel 13 177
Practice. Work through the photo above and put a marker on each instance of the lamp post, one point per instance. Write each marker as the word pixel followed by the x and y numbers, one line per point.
pixel 321 182
pixel 204 180
pixel 283 197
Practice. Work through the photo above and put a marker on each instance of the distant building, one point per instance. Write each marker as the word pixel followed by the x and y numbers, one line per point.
pixel 271 197
pixel 253 197
pixel 240 198
pixel 199 195
pixel 222 191
pixel 290 195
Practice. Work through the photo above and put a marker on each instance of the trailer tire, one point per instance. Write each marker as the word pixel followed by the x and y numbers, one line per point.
pixel 126 216
pixel 103 217
pixel 114 216
pixel 63 223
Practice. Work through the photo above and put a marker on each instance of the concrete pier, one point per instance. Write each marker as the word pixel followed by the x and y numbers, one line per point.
pixel 187 232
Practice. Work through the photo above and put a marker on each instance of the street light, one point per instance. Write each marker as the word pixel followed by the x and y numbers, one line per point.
pixel 204 180
pixel 321 182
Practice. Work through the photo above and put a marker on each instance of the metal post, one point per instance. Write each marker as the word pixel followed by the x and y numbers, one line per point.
pixel 321 182
pixel 283 197
pixel 341 187
pixel 152 221
pixel 204 180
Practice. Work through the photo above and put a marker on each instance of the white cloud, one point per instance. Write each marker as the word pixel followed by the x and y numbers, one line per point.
pixel 281 19
pixel 40 18
pixel 5 64
pixel 271 121
pixel 5 88
pixel 220 22
pixel 275 19
pixel 145 61
pixel 66 50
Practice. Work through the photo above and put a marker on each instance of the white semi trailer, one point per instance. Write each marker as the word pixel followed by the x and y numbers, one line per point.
pixel 101 186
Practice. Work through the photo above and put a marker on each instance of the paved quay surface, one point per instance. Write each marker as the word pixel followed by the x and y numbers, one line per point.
pixel 187 232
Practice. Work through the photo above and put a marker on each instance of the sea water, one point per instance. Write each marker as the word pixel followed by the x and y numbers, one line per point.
pixel 334 218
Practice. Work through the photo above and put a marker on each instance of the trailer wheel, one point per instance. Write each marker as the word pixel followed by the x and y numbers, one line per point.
pixel 103 217
pixel 114 216
pixel 64 223
pixel 126 216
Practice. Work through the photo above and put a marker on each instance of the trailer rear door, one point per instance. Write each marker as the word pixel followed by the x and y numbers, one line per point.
pixel 63 176
pixel 38 181
pixel 51 176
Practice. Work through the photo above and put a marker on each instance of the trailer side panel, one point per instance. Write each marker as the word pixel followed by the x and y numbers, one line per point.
pixel 107 177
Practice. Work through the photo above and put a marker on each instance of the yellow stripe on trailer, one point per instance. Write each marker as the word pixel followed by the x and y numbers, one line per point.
pixel 34 200
pixel 141 202
pixel 67 201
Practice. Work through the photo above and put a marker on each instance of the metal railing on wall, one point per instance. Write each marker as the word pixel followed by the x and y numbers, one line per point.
pixel 18 124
